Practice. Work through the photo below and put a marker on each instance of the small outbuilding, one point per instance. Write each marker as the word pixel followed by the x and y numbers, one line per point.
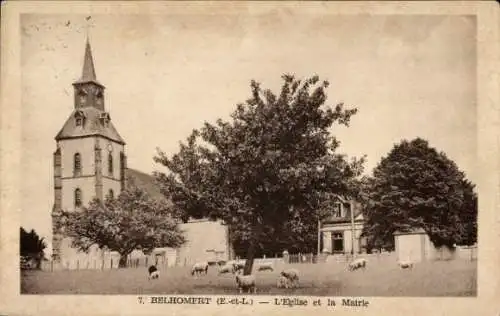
pixel 416 246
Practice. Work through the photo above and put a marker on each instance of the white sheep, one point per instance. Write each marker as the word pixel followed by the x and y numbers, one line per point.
pixel 282 282
pixel 247 283
pixel 153 273
pixel 292 276
pixel 405 264
pixel 199 268
pixel 227 268
pixel 356 264
pixel 265 266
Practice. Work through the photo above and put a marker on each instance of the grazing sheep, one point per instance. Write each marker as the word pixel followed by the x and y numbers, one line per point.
pixel 357 264
pixel 153 272
pixel 247 283
pixel 239 266
pixel 227 268
pixel 405 264
pixel 282 282
pixel 265 266
pixel 199 268
pixel 292 275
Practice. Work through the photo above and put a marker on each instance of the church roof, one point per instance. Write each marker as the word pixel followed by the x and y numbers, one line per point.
pixel 92 126
pixel 88 71
pixel 144 181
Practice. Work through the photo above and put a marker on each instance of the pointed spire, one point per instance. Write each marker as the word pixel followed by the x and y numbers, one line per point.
pixel 88 72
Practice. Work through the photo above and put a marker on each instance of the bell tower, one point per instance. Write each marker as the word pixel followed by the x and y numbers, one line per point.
pixel 87 90
pixel 89 161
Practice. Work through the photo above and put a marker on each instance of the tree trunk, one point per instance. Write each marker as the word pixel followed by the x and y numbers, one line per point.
pixel 256 235
pixel 250 256
pixel 123 261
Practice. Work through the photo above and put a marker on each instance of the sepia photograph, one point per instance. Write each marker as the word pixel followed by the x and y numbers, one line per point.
pixel 209 154
pixel 296 155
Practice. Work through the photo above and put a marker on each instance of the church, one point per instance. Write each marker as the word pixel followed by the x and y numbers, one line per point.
pixel 90 161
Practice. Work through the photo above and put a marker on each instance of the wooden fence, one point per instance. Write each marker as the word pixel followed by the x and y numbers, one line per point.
pixel 461 253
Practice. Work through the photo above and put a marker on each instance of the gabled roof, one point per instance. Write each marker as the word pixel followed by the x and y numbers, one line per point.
pixel 92 126
pixel 356 206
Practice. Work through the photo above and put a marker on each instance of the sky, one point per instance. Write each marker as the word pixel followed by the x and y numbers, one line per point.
pixel 408 75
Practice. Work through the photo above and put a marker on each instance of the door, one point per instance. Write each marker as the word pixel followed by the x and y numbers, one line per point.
pixel 337 242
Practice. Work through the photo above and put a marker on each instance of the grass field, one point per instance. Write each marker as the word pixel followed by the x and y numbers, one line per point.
pixel 440 278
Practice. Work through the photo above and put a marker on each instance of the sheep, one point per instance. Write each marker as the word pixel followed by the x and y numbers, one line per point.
pixel 239 266
pixel 153 273
pixel 227 268
pixel 265 266
pixel 356 264
pixel 246 282
pixel 199 268
pixel 292 276
pixel 405 264
pixel 282 282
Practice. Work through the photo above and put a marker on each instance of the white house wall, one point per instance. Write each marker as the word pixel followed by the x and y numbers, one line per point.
pixel 346 229
pixel 203 236
pixel 410 247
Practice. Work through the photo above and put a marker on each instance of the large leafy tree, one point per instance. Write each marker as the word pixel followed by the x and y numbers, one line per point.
pixel 131 221
pixel 416 186
pixel 266 171
pixel 32 246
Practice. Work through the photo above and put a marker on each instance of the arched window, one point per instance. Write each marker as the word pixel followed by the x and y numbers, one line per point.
pixel 122 161
pixel 111 194
pixel 77 164
pixel 78 197
pixel 110 164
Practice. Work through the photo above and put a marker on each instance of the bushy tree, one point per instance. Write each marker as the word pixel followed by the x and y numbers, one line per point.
pixel 131 221
pixel 272 167
pixel 32 246
pixel 416 186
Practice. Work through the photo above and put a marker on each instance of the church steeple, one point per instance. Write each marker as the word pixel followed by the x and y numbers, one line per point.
pixel 88 91
pixel 88 72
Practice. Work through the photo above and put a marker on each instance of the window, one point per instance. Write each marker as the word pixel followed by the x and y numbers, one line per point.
pixel 79 118
pixel 337 210
pixel 78 197
pixel 77 164
pixel 337 242
pixel 111 194
pixel 110 164
pixel 122 161
pixel 104 118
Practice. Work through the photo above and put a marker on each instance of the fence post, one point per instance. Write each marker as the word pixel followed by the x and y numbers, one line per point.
pixel 111 263
pixel 78 264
